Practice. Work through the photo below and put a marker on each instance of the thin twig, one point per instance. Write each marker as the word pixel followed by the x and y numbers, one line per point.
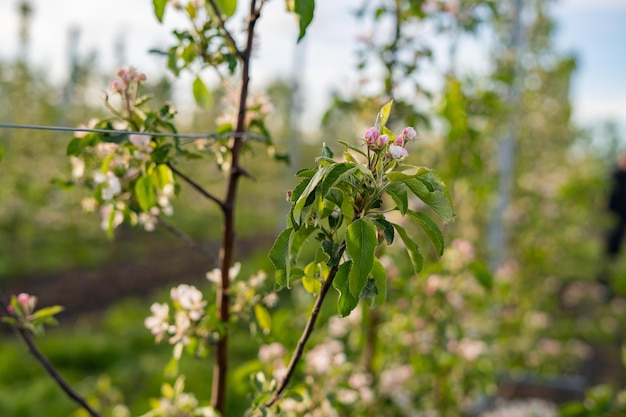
pixel 306 334
pixel 196 186
pixel 47 365
pixel 218 13
pixel 185 238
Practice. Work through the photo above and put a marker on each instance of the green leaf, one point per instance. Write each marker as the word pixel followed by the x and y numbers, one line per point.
pixel 397 191
pixel 332 250
pixel 47 312
pixel 352 147
pixel 387 228
pixel 310 188
pixel 304 10
pixel 159 9
pixel 360 245
pixel 278 255
pixel 383 115
pixel 482 274
pixel 433 193
pixel 346 301
pixel 333 175
pixel 145 193
pixel 412 172
pixel 431 229
pixel 228 7
pixel 380 278
pixel 162 176
pixel 411 247
pixel 263 317
pixel 202 94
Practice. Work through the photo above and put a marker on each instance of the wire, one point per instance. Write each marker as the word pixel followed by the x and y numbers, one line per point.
pixel 189 136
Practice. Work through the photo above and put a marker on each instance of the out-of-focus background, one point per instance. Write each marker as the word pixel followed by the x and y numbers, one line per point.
pixel 58 57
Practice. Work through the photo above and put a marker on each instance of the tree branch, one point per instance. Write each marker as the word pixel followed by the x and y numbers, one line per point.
pixel 230 37
pixel 196 186
pixel 185 238
pixel 306 334
pixel 47 365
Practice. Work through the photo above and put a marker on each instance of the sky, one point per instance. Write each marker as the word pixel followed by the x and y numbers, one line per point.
pixel 593 30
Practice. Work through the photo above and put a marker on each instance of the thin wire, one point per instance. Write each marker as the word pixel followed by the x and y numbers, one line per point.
pixel 190 136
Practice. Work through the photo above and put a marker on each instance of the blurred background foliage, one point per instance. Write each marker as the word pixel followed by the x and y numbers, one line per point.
pixel 555 225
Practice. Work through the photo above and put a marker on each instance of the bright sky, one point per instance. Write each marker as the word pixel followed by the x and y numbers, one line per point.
pixel 593 29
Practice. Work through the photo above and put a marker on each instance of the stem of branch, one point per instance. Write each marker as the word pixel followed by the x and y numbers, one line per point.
pixel 185 238
pixel 196 186
pixel 50 369
pixel 218 13
pixel 220 370
pixel 306 334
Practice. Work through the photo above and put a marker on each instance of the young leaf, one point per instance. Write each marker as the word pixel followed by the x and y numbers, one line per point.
pixel 434 193
pixel 145 193
pixel 202 94
pixel 360 245
pixel 397 191
pixel 304 10
pixel 431 229
pixel 228 7
pixel 333 175
pixel 352 147
pixel 411 247
pixel 405 174
pixel 278 255
pixel 263 317
pixel 383 115
pixel 310 188
pixel 159 9
pixel 346 301
pixel 380 278
pixel 162 176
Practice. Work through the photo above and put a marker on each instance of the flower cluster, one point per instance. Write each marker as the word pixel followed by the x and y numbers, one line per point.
pixel 176 402
pixel 128 173
pixel 393 147
pixel 189 309
pixel 22 314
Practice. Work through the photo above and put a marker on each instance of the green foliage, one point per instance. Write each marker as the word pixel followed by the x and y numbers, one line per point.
pixel 342 205
pixel 304 10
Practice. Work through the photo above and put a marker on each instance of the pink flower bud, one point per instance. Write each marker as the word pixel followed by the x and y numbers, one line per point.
pixel 11 309
pixel 116 86
pixel 382 141
pixel 398 152
pixel 141 77
pixel 399 141
pixel 23 299
pixel 371 135
pixel 289 193
pixel 409 133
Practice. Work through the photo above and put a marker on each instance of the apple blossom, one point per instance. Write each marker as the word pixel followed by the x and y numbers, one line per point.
pixel 398 152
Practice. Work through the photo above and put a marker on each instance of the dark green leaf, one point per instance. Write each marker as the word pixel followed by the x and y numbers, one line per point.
pixel 333 175
pixel 397 191
pixel 387 228
pixel 360 245
pixel 482 274
pixel 310 188
pixel 202 94
pixel 369 291
pixel 431 229
pixel 278 255
pixel 433 193
pixel 332 250
pixel 380 277
pixel 159 9
pixel 411 247
pixel 346 301
pixel 145 193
